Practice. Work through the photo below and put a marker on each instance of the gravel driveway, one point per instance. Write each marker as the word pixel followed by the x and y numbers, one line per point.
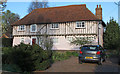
pixel 71 65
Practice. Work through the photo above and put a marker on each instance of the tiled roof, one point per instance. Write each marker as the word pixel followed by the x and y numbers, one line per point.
pixel 57 14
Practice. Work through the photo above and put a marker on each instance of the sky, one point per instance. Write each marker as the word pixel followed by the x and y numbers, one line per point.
pixel 110 9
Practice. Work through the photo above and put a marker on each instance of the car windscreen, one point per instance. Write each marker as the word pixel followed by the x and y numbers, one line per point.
pixel 92 48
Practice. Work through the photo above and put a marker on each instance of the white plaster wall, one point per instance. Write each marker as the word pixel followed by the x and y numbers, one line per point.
pixel 16 40
pixel 64 43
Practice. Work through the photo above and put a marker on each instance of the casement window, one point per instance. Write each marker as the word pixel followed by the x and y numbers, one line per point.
pixel 70 39
pixel 22 40
pixel 33 28
pixel 54 26
pixel 55 40
pixel 21 28
pixel 91 38
pixel 80 24
pixel 33 40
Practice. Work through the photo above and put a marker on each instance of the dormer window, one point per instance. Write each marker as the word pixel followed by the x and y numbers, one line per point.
pixel 54 26
pixel 21 28
pixel 33 28
pixel 80 24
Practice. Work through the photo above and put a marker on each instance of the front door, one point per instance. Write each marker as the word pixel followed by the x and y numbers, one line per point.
pixel 33 41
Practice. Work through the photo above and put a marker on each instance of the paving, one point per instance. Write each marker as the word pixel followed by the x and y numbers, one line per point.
pixel 72 65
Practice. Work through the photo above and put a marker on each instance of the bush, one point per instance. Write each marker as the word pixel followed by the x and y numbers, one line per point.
pixel 27 57
pixel 18 56
pixel 7 42
pixel 43 58
pixel 5 55
pixel 11 67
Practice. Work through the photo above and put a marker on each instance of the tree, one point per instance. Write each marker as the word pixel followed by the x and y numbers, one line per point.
pixel 112 34
pixel 45 42
pixel 2 4
pixel 80 42
pixel 35 4
pixel 7 19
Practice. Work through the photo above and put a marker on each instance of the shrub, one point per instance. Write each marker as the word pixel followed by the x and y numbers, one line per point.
pixel 11 67
pixel 5 55
pixel 22 59
pixel 7 42
pixel 27 57
pixel 18 56
pixel 43 58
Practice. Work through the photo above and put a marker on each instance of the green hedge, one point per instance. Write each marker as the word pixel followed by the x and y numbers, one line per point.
pixel 27 58
pixel 7 42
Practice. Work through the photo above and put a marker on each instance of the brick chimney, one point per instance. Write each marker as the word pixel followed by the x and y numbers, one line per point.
pixel 99 12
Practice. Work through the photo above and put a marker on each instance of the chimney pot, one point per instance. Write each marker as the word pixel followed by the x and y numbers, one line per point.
pixel 99 6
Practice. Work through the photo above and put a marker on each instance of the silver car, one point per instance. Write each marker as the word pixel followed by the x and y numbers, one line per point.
pixel 93 53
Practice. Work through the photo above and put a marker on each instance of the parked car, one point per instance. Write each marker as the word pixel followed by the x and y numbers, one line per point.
pixel 94 53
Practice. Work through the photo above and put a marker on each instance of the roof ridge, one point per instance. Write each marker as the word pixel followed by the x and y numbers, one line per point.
pixel 62 6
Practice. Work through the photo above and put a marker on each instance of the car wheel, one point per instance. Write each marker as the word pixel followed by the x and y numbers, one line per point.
pixel 104 60
pixel 80 62
pixel 100 62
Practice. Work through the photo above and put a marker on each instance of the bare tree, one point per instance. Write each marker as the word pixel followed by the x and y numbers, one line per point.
pixel 2 4
pixel 37 4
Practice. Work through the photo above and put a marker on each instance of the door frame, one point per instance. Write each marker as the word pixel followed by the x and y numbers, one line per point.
pixel 33 38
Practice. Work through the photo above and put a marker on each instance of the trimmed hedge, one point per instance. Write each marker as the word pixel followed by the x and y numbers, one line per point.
pixel 27 58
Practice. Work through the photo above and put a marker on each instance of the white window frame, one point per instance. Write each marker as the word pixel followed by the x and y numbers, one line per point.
pixel 22 40
pixel 54 27
pixel 20 27
pixel 70 39
pixel 31 28
pixel 33 38
pixel 80 22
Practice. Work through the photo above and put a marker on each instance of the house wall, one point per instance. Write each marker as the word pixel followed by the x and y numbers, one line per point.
pixel 101 30
pixel 63 42
pixel 64 28
pixel 17 40
pixel 65 31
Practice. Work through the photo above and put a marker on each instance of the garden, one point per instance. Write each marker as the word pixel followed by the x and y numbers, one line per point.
pixel 25 58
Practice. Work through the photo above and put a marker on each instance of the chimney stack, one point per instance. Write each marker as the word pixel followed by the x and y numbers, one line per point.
pixel 99 12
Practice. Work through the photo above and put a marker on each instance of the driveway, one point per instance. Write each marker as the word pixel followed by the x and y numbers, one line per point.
pixel 71 65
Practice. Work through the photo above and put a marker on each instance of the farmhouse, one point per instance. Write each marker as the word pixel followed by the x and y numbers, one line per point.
pixel 61 24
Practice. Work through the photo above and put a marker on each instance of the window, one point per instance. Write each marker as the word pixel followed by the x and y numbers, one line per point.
pixel 21 28
pixel 33 28
pixel 80 24
pixel 91 48
pixel 55 40
pixel 91 38
pixel 54 26
pixel 22 40
pixel 70 39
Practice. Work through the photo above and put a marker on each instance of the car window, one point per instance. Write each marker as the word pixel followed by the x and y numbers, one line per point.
pixel 89 48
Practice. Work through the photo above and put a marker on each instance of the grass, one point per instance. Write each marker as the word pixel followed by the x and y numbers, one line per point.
pixel 59 56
